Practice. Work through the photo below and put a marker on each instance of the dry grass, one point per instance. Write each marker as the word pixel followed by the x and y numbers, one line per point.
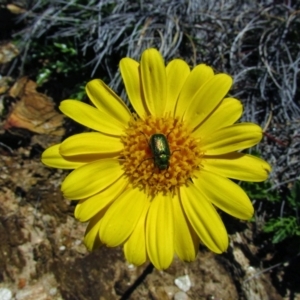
pixel 257 42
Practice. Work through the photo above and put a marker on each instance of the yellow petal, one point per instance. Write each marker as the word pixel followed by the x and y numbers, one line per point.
pixel 238 166
pixel 207 99
pixel 122 217
pixel 227 113
pixel 107 101
pixel 153 74
pixel 91 117
pixel 177 71
pixel 51 157
pixel 91 178
pixel 135 246
pixel 87 208
pixel 91 143
pixel 228 196
pixel 199 75
pixel 130 70
pixel 186 242
pixel 160 232
pixel 232 138
pixel 204 218
pixel 91 236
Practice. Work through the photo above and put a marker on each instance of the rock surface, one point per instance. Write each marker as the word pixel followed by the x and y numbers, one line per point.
pixel 42 255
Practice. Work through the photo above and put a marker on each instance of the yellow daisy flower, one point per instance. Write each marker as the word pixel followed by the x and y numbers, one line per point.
pixel 152 180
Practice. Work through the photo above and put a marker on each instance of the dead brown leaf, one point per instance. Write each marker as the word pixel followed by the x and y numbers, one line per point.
pixel 34 111
pixel 15 9
pixel 8 52
pixel 5 82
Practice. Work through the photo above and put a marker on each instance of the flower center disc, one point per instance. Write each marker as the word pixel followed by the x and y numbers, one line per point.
pixel 138 160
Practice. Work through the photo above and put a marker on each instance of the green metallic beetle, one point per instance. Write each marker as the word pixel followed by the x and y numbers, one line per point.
pixel 159 146
pixel 160 150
